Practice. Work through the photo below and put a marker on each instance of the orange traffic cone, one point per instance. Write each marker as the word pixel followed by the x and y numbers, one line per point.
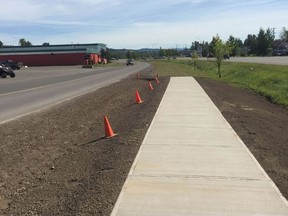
pixel 157 80
pixel 137 97
pixel 150 85
pixel 108 130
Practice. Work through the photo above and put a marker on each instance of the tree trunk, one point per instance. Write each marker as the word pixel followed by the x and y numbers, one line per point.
pixel 219 70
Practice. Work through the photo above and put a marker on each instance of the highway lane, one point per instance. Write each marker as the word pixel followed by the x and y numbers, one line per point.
pixel 26 95
pixel 41 76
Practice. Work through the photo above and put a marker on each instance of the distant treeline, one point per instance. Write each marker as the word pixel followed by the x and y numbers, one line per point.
pixel 262 44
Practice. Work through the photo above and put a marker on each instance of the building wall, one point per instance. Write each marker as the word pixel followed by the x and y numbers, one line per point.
pixel 66 54
pixel 47 59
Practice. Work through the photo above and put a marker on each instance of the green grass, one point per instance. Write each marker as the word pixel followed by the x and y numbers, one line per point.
pixel 268 80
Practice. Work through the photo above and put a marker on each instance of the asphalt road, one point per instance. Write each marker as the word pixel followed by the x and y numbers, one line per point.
pixel 37 88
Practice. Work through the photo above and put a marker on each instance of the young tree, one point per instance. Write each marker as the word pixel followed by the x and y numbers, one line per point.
pixel 219 50
pixel 195 58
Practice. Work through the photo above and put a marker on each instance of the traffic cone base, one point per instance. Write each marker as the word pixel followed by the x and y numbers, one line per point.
pixel 138 98
pixel 150 85
pixel 108 129
pixel 157 80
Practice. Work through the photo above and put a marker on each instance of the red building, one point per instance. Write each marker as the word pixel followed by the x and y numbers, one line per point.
pixel 67 54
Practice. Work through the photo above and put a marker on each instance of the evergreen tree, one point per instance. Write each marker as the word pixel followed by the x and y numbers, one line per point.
pixel 251 44
pixel 284 34
pixel 236 44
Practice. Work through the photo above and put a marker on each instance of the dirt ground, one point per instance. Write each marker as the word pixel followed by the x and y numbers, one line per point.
pixel 56 162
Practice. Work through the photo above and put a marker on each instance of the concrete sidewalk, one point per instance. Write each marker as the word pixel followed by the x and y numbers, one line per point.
pixel 191 162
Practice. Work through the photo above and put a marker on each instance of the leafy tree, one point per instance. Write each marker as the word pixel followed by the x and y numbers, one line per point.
pixel 162 52
pixel 28 43
pixel 219 50
pixel 134 55
pixel 198 47
pixel 265 41
pixel 284 34
pixel 108 56
pixel 205 48
pixel 251 43
pixel 195 45
pixel 236 44
pixel 1 44
pixel 129 54
pixel 261 43
pixel 46 44
pixel 24 43
pixel 105 54
pixel 213 44
pixel 270 37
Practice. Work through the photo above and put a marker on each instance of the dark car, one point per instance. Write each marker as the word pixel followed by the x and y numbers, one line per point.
pixel 226 56
pixel 129 62
pixel 280 53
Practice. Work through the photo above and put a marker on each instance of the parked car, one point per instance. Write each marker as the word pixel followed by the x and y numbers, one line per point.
pixel 226 56
pixel 129 62
pixel 280 53
pixel 210 55
pixel 6 71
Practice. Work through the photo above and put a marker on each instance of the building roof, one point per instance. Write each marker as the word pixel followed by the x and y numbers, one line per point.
pixel 63 48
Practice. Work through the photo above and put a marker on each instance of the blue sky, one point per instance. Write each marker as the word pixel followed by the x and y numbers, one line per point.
pixel 137 24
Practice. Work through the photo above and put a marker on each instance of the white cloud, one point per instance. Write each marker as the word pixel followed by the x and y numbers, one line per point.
pixel 130 24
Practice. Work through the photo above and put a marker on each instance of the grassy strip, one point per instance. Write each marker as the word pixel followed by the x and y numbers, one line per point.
pixel 268 80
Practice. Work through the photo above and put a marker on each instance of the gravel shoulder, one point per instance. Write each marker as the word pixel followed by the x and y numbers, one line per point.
pixel 56 162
